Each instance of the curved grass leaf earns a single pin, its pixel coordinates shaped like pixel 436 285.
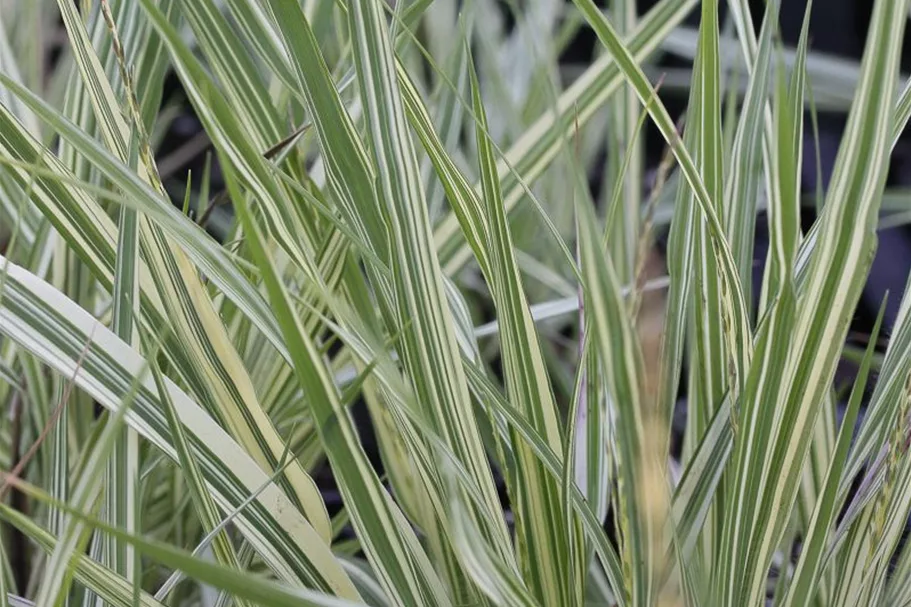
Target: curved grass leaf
pixel 245 585
pixel 105 583
pixel 55 329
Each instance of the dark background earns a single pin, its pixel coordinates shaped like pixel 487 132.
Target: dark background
pixel 837 27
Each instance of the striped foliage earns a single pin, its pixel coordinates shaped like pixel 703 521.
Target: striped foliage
pixel 392 273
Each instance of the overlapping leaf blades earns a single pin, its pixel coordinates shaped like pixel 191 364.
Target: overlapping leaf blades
pixel 358 241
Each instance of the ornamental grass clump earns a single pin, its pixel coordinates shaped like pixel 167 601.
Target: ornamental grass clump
pixel 370 336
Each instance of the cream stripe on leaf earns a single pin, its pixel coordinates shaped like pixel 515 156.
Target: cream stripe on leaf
pixel 55 329
pixel 544 542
